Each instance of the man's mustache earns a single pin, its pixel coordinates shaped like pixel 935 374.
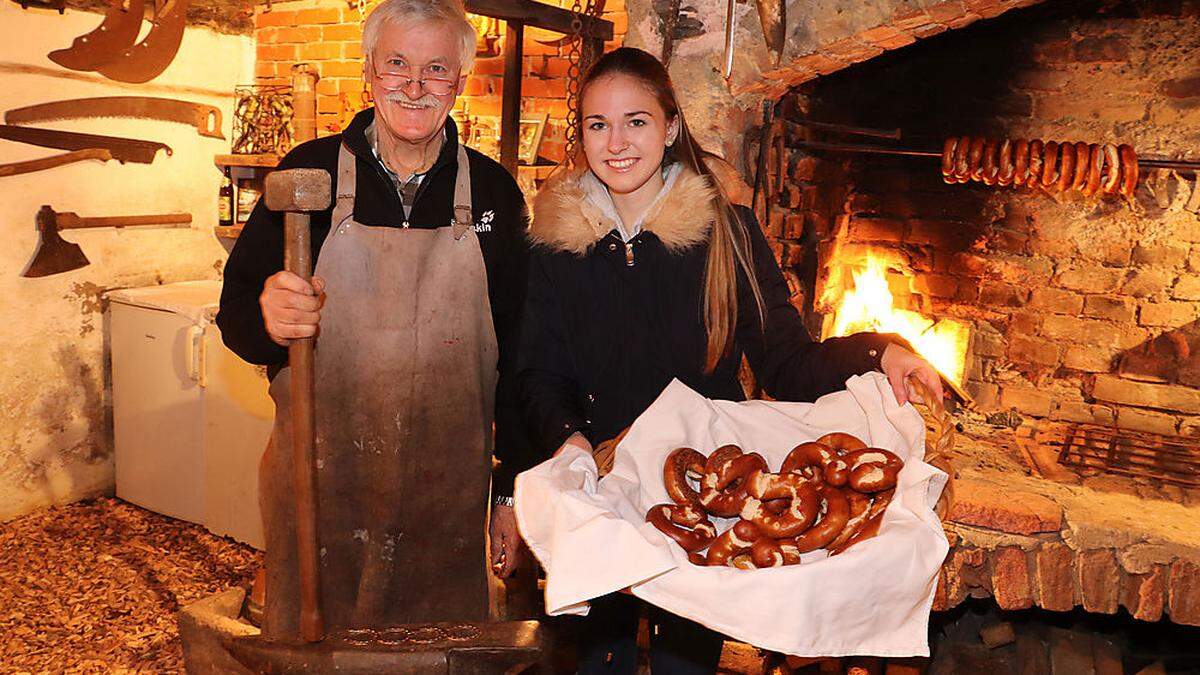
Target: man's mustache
pixel 426 101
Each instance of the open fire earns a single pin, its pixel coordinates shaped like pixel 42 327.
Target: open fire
pixel 868 305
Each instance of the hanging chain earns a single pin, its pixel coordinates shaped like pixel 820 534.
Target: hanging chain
pixel 574 73
pixel 577 58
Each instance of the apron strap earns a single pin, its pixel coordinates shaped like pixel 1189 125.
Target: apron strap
pixel 344 206
pixel 462 195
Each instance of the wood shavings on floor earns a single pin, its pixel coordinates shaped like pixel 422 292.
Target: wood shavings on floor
pixel 93 587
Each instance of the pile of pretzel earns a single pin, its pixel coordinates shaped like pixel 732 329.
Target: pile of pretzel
pixel 830 493
pixel 1056 167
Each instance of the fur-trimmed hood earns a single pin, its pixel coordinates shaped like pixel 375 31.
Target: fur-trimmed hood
pixel 565 217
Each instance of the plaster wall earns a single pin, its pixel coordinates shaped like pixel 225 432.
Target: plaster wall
pixel 55 415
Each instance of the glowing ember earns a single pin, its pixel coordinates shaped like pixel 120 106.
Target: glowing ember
pixel 869 307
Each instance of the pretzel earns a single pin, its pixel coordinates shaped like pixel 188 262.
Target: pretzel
pixel 1066 164
pixel 802 508
pixel 873 469
pixel 1112 169
pixel 689 527
pixel 835 514
pixel 767 552
pixel 807 459
pixel 1095 165
pixel 867 528
pixel 1129 170
pixel 841 443
pixel 860 511
pixel 948 159
pixel 991 162
pixel 1049 163
pixel 975 161
pixel 962 157
pixel 682 464
pixel 1007 169
pixel 732 542
pixel 1020 162
pixel 1083 155
pixel 723 488
pixel 1035 163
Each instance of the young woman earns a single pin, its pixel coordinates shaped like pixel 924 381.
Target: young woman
pixel 642 272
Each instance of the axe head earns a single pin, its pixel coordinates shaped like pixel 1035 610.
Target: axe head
pixel 54 254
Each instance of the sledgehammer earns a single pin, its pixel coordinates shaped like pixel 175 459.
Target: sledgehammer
pixel 298 192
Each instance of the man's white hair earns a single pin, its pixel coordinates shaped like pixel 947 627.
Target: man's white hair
pixel 402 12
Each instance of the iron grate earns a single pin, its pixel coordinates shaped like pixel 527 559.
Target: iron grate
pixel 1174 459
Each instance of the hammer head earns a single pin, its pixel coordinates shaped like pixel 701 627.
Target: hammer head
pixel 298 190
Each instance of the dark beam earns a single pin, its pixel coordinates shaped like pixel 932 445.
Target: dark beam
pixel 510 98
pixel 539 15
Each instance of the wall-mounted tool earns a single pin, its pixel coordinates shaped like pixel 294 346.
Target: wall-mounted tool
pixel 730 25
pixel 43 163
pixel 122 149
pixel 144 61
pixel 206 118
pixel 118 30
pixel 55 254
pixel 112 48
pixel 60 5
pixel 773 16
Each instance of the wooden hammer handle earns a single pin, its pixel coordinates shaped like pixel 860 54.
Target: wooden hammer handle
pixel 297 259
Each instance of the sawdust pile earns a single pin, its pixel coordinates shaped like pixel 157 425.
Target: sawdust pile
pixel 93 587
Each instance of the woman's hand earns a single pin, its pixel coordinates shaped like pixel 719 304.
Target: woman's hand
pixel 898 363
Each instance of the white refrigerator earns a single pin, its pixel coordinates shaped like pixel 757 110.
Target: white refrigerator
pixel 190 418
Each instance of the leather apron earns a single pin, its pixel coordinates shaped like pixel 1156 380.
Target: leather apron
pixel 405 387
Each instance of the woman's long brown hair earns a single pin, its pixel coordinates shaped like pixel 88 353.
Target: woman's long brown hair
pixel 729 242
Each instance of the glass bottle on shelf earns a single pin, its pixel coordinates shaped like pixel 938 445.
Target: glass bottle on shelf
pixel 225 201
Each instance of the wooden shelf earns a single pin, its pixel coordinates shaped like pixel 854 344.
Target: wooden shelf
pixel 227 231
pixel 258 161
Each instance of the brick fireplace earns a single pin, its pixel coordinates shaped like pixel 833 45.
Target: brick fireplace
pixel 1081 311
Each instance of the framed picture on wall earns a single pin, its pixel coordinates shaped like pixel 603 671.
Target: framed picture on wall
pixel 484 135
pixel 531 129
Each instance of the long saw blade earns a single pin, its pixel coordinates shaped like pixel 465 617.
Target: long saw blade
pixel 206 118
pixel 122 149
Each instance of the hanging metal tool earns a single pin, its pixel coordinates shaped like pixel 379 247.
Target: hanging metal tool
pixel 206 118
pixel 668 20
pixel 55 255
pixel 43 163
pixel 772 14
pixel 730 25
pixel 122 149
pixel 118 31
pixel 60 5
pixel 145 60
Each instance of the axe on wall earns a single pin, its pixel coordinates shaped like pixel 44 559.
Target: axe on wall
pixel 55 254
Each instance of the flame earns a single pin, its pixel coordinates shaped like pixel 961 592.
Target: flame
pixel 869 306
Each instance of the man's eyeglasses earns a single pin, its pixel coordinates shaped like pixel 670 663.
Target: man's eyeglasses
pixel 395 81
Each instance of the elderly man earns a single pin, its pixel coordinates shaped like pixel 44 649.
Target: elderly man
pixel 419 280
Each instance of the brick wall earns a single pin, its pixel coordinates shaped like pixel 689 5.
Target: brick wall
pixel 327 34
pixel 1083 310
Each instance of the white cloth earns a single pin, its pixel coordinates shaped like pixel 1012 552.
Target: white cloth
pixel 873 599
